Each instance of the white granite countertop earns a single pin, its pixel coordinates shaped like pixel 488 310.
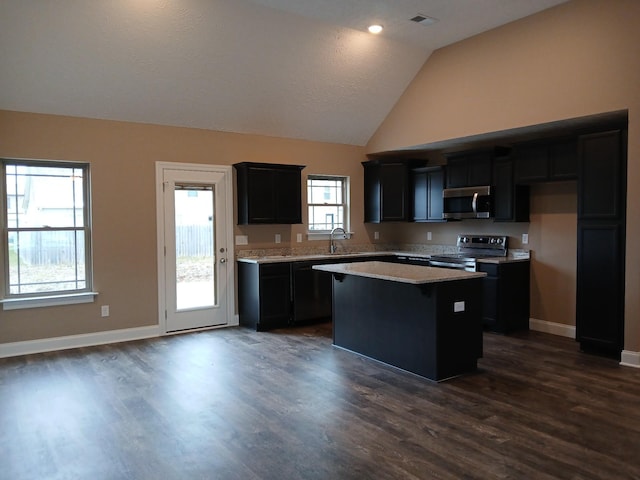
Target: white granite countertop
pixel 396 272
pixel 313 256
pixel 517 256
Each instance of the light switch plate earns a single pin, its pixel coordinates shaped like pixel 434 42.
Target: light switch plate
pixel 242 239
pixel 376 235
pixel 525 238
pixel 299 237
pixel 278 238
pixel 458 306
pixel 428 235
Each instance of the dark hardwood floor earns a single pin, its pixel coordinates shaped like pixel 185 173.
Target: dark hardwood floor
pixel 237 404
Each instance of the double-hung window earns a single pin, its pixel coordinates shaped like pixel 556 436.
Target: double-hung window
pixel 328 202
pixel 46 231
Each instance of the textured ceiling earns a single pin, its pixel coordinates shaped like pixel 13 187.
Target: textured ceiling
pixel 289 68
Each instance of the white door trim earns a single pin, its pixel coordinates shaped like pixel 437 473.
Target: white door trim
pixel 232 320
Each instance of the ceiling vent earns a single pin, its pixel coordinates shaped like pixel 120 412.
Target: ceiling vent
pixel 424 20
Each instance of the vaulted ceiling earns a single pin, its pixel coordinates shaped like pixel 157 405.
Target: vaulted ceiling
pixel 302 69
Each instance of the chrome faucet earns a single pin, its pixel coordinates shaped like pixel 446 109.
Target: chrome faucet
pixel 332 245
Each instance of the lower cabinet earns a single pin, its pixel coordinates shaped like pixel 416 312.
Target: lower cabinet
pixel 600 288
pixel 282 294
pixel 505 296
pixel 264 295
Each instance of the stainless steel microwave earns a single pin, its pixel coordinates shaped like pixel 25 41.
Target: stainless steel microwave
pixel 468 202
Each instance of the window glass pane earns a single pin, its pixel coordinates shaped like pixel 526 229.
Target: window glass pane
pixel 46 261
pixel 40 196
pixel 195 248
pixel 327 202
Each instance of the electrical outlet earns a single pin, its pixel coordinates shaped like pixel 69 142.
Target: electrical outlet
pixel 428 235
pixel 525 238
pixel 242 240
pixel 458 306
pixel 278 238
pixel 104 310
pixel 299 237
pixel 376 235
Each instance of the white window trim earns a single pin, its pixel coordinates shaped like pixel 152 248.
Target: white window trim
pixel 48 301
pixel 55 298
pixel 324 234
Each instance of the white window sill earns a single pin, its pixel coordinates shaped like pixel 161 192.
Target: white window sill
pixel 49 301
pixel 326 235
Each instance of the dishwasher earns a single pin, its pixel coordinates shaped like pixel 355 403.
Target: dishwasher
pixel 312 293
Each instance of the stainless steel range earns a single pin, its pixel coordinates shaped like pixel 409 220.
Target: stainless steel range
pixel 469 249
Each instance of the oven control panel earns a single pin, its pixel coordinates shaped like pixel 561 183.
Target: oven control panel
pixel 489 244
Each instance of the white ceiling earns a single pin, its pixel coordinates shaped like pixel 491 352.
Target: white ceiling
pixel 289 68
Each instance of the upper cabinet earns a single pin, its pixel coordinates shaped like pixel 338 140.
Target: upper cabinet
pixel 601 189
pixel 386 191
pixel 510 201
pixel 427 184
pixel 469 169
pixel 546 161
pixel 268 193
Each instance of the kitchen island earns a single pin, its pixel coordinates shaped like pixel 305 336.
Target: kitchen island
pixel 425 320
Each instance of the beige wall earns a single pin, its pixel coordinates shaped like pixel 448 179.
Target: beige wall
pixel 122 157
pixel 578 59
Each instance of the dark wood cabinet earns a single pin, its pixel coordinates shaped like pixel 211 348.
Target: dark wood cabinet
pixel 510 201
pixel 264 295
pixel 600 287
pixel 505 296
pixel 268 193
pixel 386 191
pixel 281 294
pixel 601 187
pixel 601 242
pixel 546 161
pixel 427 184
pixel 469 169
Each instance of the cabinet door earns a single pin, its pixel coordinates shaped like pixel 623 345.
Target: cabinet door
pixel 601 184
pixel 261 195
pixel 457 173
pixel 426 188
pixel 435 185
pixel 420 192
pixel 600 286
pixel 532 163
pixel 394 192
pixel 503 191
pixel 479 165
pixel 510 202
pixel 563 160
pixel 288 201
pixel 275 295
pixel 372 206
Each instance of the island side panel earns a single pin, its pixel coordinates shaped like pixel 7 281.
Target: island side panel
pixel 459 334
pixel 400 324
pixel 389 321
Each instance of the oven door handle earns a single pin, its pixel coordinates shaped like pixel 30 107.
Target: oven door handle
pixel 439 263
pixel 474 203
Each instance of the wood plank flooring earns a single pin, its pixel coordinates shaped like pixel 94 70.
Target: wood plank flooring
pixel 238 404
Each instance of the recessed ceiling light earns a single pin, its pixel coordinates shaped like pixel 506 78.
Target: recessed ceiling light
pixel 375 29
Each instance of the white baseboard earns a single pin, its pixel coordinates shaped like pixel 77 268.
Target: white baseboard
pixel 75 341
pixel 552 328
pixel 630 359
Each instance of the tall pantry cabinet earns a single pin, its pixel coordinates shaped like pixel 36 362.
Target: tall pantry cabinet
pixel 601 242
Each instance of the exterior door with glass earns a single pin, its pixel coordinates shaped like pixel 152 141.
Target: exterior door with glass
pixel 195 249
